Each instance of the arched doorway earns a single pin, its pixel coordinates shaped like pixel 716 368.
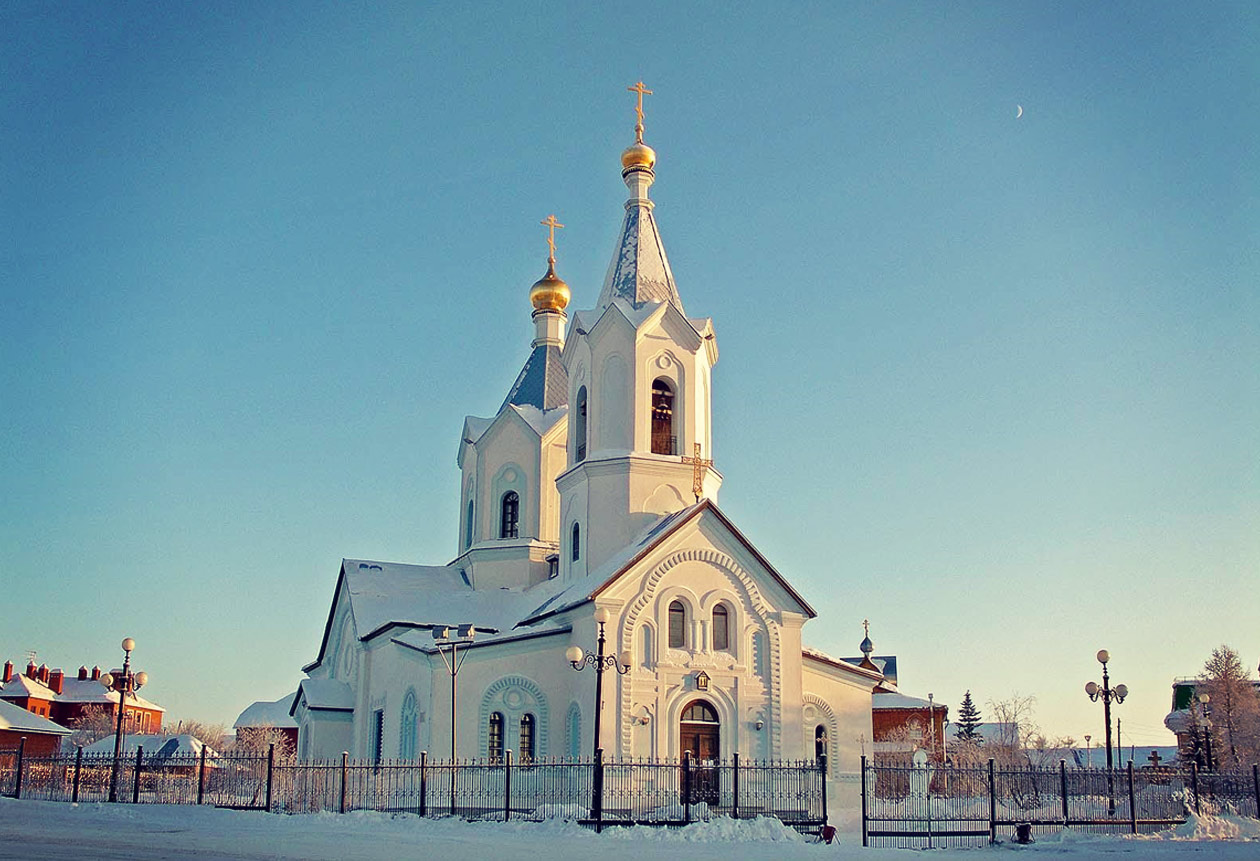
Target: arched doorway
pixel 701 735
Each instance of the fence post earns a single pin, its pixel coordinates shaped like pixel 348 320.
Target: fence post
pixel 345 764
pixel 822 774
pixel 507 785
pixel 17 787
pixel 735 778
pixel 201 776
pixel 992 805
pixel 598 793
pixel 1255 783
pixel 1063 789
pixel 1133 803
pixel 271 764
pixel 424 784
pixel 135 784
pixel 864 826
pixel 1194 784
pixel 78 765
pixel 686 786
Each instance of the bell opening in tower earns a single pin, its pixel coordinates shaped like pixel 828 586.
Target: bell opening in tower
pixel 664 440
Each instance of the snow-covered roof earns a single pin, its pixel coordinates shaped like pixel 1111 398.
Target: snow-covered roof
pixel 639 272
pixel 268 713
pixel 543 383
pixel 590 586
pixel 86 691
pixel 156 746
pixel 325 694
pixel 20 720
pixel 901 701
pixel 848 666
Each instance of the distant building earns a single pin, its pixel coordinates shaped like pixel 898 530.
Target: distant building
pixel 900 723
pixel 265 716
pixel 50 694
pixel 1187 720
pixel 43 737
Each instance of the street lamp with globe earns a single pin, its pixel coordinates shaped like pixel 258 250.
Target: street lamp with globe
pixel 1107 693
pixel 122 684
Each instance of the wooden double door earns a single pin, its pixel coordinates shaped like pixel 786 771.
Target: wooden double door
pixel 701 735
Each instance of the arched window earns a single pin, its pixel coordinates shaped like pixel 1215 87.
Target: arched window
pixel 495 746
pixel 526 749
pixel 820 742
pixel 579 434
pixel 510 512
pixel 664 440
pixel 468 528
pixel 407 727
pixel 721 628
pixel 699 712
pixel 577 543
pixel 677 625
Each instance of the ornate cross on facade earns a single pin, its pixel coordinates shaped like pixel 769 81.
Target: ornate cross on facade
pixel 699 465
pixel 638 110
pixel 551 223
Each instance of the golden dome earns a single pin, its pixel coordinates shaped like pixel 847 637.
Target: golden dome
pixel 549 293
pixel 638 155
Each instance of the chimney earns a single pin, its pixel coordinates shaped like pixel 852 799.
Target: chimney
pixel 43 673
pixel 96 674
pixel 56 679
pixel 82 674
pixel 8 672
pixel 30 669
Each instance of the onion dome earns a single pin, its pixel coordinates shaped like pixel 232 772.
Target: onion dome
pixel 549 293
pixel 638 154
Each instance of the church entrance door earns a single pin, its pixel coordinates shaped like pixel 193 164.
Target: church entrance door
pixel 701 735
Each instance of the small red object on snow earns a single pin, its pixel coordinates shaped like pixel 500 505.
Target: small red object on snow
pixel 828 834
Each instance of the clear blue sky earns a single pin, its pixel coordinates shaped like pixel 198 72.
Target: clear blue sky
pixel 992 383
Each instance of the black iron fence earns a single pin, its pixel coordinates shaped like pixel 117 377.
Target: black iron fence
pixel 948 805
pixel 594 792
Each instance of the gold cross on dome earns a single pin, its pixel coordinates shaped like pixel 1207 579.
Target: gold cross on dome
pixel 699 466
pixel 638 109
pixel 551 223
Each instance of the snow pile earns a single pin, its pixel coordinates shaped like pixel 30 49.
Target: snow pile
pixel 1223 827
pixel 719 829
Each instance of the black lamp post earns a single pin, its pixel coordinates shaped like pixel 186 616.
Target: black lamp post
pixel 582 659
pixel 1204 699
pixel 1107 693
pixel 124 683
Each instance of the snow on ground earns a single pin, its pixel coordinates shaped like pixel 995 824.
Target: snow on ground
pixel 123 832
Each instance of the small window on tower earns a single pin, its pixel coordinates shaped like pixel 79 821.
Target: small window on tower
pixel 579 433
pixel 664 440
pixel 510 515
pixel 577 543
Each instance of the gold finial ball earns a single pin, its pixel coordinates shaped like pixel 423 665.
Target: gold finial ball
pixel 549 293
pixel 638 155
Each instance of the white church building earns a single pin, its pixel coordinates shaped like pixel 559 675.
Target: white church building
pixel 589 494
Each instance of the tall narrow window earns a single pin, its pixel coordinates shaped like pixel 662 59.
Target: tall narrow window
pixel 495 751
pixel 407 727
pixel 664 441
pixel 577 543
pixel 677 625
pixel 510 515
pixel 721 629
pixel 468 528
pixel 527 739
pixel 378 735
pixel 579 434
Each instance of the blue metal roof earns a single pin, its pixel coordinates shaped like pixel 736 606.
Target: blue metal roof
pixel 542 383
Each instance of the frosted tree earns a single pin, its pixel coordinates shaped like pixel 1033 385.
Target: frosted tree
pixel 1234 708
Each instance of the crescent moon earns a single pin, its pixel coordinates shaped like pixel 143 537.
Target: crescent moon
pixel 1019 111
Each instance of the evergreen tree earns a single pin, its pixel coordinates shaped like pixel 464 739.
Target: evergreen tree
pixel 968 721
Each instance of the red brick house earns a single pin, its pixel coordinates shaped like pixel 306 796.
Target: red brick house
pixel 43 737
pixel 50 694
pixel 900 723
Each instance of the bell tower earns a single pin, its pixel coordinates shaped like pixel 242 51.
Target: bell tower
pixel 640 374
